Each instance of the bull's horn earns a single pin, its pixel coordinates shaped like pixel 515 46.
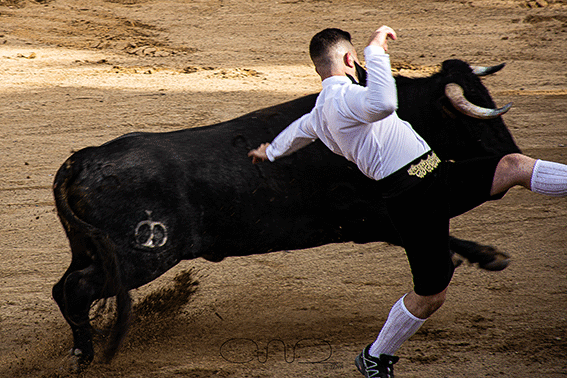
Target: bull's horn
pixel 454 93
pixel 485 71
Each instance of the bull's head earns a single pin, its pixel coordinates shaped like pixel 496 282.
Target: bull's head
pixel 455 94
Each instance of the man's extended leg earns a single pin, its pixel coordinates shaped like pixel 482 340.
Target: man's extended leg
pixel 540 176
pixel 420 215
pixel 404 320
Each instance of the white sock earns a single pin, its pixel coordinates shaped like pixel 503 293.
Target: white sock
pixel 399 327
pixel 549 178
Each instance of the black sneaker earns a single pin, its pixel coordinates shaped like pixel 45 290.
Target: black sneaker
pixel 375 367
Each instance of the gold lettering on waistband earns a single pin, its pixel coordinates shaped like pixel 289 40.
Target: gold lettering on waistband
pixel 425 166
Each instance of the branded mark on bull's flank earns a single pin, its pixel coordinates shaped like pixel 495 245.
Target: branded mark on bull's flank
pixel 150 234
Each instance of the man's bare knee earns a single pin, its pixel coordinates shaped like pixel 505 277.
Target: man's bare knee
pixel 512 169
pixel 514 161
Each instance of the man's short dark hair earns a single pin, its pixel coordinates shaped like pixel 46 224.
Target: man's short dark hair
pixel 323 41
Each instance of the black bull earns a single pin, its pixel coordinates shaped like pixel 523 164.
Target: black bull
pixel 136 206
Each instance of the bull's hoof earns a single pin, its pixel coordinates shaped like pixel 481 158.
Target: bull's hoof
pixel 78 361
pixel 499 261
pixel 489 258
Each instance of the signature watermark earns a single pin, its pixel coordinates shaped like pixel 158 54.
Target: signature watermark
pixel 304 351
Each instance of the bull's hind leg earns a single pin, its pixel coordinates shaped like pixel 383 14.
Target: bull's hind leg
pixel 74 294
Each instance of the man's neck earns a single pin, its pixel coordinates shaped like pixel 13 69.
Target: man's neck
pixel 337 72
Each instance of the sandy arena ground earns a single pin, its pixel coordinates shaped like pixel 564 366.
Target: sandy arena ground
pixel 79 73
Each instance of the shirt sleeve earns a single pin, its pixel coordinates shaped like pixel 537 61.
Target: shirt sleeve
pixel 380 97
pixel 297 135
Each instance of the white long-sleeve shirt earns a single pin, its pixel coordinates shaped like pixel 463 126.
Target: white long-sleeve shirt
pixel 359 123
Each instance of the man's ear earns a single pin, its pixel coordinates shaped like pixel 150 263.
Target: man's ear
pixel 349 60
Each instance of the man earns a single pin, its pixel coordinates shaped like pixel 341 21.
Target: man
pixel 421 192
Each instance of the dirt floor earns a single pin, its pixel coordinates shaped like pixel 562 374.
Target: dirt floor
pixel 79 73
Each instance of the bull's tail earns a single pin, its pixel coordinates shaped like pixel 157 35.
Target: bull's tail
pixel 105 250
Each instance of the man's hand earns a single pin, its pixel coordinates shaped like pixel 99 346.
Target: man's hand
pixel 380 37
pixel 259 154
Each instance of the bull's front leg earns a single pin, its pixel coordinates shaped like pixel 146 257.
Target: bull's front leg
pixel 487 257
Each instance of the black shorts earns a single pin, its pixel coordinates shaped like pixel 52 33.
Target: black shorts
pixel 420 209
